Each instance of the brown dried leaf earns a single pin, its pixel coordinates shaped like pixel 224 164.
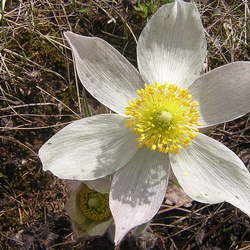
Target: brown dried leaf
pixel 176 196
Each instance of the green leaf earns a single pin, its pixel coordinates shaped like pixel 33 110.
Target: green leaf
pixel 146 9
pixel 83 10
pixel 2 175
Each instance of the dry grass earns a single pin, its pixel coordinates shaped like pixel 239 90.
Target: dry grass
pixel 40 93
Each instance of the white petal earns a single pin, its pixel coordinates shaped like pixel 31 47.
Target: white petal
pixel 71 205
pixel 100 228
pixel 223 93
pixel 89 148
pixel 104 72
pixel 172 46
pixel 137 190
pixel 101 185
pixel 210 172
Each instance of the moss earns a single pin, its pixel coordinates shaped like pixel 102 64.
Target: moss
pixel 42 52
pixel 68 96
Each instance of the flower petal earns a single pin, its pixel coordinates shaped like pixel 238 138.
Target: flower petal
pixel 101 185
pixel 223 93
pixel 89 148
pixel 82 225
pixel 71 206
pixel 172 46
pixel 137 190
pixel 104 72
pixel 99 228
pixel 210 172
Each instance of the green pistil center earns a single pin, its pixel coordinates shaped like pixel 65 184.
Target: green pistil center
pixel 94 205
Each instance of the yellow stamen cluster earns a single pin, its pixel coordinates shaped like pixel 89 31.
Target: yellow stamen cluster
pixel 94 205
pixel 164 117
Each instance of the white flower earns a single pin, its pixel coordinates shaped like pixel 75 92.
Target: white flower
pixel 164 120
pixel 88 207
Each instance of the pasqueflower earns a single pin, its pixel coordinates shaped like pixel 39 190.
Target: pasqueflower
pixel 88 206
pixel 160 110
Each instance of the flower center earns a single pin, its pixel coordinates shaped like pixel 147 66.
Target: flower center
pixel 164 117
pixel 94 205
